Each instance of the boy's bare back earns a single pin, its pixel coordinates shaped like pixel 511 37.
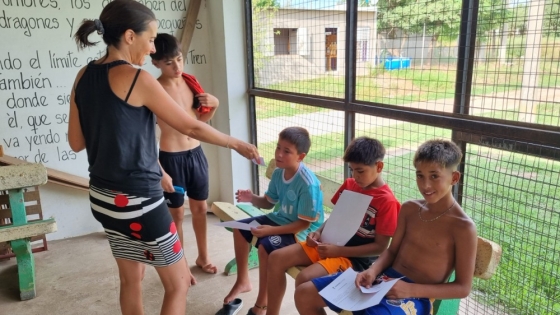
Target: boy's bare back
pixel 431 249
pixel 171 140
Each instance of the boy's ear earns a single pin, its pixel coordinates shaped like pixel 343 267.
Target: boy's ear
pixel 455 176
pixel 301 156
pixel 379 165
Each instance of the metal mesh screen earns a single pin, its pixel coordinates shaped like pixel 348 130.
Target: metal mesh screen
pixel 513 198
pixel 407 57
pixel 517 62
pixel 412 61
pixel 299 47
pixel 326 128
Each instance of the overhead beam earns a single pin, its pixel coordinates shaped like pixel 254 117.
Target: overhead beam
pixel 190 23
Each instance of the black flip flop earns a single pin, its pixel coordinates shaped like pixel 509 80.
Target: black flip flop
pixel 231 308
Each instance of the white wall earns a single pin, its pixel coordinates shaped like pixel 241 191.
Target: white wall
pixel 219 38
pixel 70 208
pixel 230 83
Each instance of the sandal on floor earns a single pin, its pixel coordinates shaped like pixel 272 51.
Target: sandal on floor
pixel 250 312
pixel 231 308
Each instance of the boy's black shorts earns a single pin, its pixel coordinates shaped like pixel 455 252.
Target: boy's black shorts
pixel 188 169
pixel 272 242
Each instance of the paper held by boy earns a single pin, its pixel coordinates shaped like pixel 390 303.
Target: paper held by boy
pixel 259 161
pixel 239 225
pixel 347 215
pixel 345 218
pixel 343 292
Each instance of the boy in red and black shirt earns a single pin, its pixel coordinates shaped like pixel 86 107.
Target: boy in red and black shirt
pixel 365 158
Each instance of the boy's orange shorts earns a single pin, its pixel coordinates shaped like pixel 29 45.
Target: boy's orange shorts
pixel 332 265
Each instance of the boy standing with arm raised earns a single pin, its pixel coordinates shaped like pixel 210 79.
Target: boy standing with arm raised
pixel 365 158
pixel 295 193
pixel 181 157
pixel 434 237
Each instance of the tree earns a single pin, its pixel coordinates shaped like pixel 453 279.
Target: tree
pixel 437 17
pixel 551 17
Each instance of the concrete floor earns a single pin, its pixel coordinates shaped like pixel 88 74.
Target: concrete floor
pixel 79 276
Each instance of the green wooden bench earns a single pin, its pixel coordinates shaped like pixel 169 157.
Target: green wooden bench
pixel 15 179
pixel 487 257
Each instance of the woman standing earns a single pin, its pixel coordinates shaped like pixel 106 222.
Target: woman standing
pixel 112 117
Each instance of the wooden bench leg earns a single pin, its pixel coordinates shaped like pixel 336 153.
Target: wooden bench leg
pixel 26 268
pixel 231 267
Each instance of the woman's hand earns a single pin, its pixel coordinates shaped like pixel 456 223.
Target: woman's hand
pixel 245 149
pixel 167 183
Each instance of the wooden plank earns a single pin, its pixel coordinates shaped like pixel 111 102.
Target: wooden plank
pixel 66 179
pixel 188 30
pixel 488 255
pixel 228 212
pixel 16 232
pixel 1 151
pixel 21 176
pixel 54 176
pixel 329 188
pixel 251 210
pixel 27 196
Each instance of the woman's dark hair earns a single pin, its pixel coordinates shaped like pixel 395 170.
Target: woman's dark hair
pixel 167 47
pixel 117 17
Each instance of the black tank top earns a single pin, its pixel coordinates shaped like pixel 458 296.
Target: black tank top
pixel 120 138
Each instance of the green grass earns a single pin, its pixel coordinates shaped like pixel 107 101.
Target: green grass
pixel 513 200
pixel 401 87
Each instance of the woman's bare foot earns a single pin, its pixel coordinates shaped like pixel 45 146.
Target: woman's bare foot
pixel 238 287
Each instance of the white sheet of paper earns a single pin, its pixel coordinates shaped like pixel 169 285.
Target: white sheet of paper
pixel 346 217
pixel 343 293
pixel 260 161
pixel 239 225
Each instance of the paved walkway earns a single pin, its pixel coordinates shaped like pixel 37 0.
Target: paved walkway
pixel 331 121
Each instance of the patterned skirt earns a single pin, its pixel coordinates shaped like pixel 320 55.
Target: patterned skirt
pixel 139 229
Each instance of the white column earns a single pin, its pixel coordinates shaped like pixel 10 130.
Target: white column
pixel 229 73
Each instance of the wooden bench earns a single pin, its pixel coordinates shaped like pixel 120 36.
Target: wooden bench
pixel 487 256
pixel 15 179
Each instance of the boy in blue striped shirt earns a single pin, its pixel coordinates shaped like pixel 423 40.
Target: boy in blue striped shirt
pixel 295 193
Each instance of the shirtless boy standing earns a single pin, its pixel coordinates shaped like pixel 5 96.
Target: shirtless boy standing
pixel 181 157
